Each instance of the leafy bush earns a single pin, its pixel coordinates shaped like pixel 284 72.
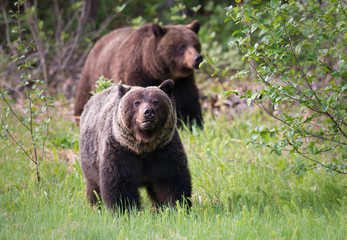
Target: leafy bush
pixel 297 55
pixel 102 83
pixel 34 120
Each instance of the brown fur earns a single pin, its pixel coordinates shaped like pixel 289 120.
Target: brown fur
pixel 129 139
pixel 146 57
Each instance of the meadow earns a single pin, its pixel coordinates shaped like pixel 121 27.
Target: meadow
pixel 240 191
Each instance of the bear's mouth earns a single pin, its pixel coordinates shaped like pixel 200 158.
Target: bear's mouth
pixel 148 124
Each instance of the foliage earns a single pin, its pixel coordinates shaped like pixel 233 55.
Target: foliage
pixel 215 35
pixel 297 54
pixel 34 119
pixel 102 83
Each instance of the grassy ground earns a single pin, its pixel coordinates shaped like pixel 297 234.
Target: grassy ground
pixel 239 192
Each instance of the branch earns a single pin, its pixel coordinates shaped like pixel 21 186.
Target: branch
pixel 15 141
pixel 80 24
pixel 304 74
pixel 267 58
pixel 7 31
pixel 36 35
pixel 279 119
pixel 337 125
pixel 14 113
pixel 296 59
pixel 269 113
pixel 58 30
pixel 313 160
pixel 96 35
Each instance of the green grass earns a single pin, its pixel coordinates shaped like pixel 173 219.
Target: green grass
pixel 239 192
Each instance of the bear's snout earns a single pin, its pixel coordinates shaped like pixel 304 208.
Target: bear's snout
pixel 148 119
pixel 198 59
pixel 148 113
pixel 192 58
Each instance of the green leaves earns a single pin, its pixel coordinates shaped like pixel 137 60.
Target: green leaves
pixel 324 108
pixel 120 8
pixel 251 97
pixel 102 83
pixel 297 53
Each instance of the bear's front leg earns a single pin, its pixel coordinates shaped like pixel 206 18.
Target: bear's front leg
pixel 167 193
pixel 119 180
pixel 169 175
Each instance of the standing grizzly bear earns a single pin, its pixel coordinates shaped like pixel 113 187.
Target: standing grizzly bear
pixel 146 57
pixel 129 139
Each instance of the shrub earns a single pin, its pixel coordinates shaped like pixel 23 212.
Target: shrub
pixel 34 118
pixel 297 56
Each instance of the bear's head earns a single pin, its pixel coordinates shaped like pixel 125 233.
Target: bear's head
pixel 146 117
pixel 179 47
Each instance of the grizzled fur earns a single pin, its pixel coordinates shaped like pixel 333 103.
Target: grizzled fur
pixel 128 140
pixel 146 57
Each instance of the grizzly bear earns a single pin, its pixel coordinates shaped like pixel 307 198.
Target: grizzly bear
pixel 129 140
pixel 146 57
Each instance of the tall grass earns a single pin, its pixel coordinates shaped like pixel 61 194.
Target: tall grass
pixel 239 192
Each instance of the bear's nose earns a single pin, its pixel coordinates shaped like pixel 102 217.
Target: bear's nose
pixel 148 112
pixel 198 59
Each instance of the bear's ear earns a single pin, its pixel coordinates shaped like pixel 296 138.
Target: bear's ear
pixel 167 86
pixel 194 26
pixel 158 31
pixel 122 90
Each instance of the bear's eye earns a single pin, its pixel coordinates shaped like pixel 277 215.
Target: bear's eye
pixel 155 103
pixel 182 48
pixel 137 103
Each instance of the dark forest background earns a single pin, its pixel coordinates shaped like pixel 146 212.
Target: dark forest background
pixel 64 31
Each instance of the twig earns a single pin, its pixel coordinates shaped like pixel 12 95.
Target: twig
pixel 313 160
pixel 267 59
pixel 96 35
pixel 14 113
pixel 15 141
pixel 36 35
pixel 7 31
pixel 32 139
pixel 80 23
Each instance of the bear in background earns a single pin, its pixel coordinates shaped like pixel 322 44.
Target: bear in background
pixel 146 57
pixel 128 140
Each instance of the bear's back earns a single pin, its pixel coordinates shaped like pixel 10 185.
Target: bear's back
pixel 99 107
pixel 95 120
